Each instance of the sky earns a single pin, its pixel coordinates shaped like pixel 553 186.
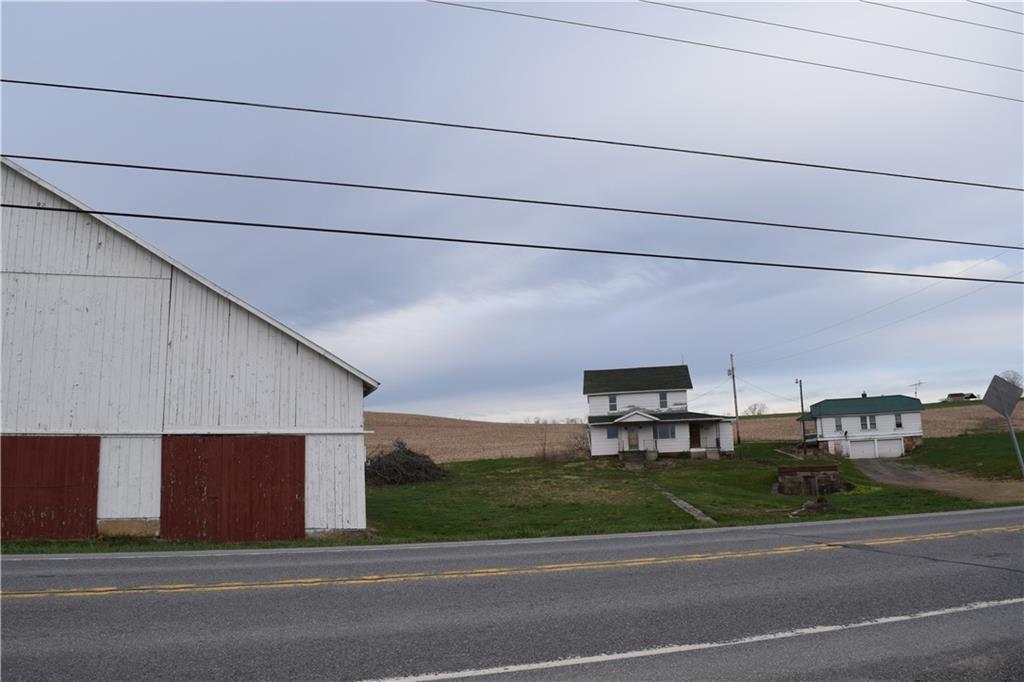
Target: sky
pixel 488 333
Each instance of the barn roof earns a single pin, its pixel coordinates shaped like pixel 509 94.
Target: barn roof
pixel 665 378
pixel 875 404
pixel 369 383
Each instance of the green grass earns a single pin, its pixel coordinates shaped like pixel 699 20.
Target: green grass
pixel 520 498
pixel 986 455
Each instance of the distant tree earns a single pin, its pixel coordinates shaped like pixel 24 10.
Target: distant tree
pixel 755 409
pixel 1014 377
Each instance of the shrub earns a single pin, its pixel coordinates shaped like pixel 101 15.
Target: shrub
pixel 399 465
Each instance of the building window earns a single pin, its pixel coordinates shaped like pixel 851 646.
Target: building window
pixel 839 423
pixel 863 423
pixel 899 421
pixel 663 400
pixel 871 422
pixel 867 423
pixel 613 403
pixel 613 431
pixel 665 431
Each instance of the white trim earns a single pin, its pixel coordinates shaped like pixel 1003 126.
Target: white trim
pixel 633 412
pixel 368 381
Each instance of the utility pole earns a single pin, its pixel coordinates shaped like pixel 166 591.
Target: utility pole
pixel 916 385
pixel 735 403
pixel 803 424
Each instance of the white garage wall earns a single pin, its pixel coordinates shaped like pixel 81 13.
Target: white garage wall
pixel 129 480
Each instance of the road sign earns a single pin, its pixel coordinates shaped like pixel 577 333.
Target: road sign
pixel 1002 396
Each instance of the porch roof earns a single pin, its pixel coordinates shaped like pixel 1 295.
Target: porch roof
pixel 657 417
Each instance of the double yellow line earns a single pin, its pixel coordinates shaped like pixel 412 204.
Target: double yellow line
pixel 495 572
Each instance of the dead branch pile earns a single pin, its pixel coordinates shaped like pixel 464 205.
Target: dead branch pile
pixel 398 465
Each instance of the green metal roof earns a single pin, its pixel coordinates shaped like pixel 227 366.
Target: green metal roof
pixel 875 404
pixel 668 378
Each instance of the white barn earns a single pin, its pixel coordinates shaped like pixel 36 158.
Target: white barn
pixel 206 418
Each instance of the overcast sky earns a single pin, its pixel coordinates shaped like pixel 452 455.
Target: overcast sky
pixel 481 332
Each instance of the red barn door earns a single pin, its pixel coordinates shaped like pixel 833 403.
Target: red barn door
pixel 233 488
pixel 48 486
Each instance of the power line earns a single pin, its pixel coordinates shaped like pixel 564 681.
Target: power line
pixel 992 6
pixel 833 35
pixel 506 244
pixel 709 392
pixel 514 200
pixel 765 390
pixel 866 312
pixel 883 326
pixel 941 16
pixel 507 131
pixel 714 46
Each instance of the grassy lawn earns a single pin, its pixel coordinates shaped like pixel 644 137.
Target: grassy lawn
pixel 519 498
pixel 986 455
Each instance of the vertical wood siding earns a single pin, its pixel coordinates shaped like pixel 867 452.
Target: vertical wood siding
pixel 129 482
pixel 232 488
pixel 48 486
pixel 229 369
pixel 335 488
pixel 82 354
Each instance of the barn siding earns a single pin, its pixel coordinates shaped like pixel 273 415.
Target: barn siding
pixel 48 486
pixel 129 483
pixel 230 370
pixel 232 488
pixel 335 489
pixel 82 354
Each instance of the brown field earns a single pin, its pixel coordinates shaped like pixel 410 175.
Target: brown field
pixel 454 440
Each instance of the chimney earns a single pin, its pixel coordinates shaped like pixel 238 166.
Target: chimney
pixel 863 394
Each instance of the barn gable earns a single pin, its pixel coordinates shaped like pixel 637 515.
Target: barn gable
pixel 104 334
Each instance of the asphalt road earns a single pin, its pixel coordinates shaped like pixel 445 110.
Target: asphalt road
pixel 924 597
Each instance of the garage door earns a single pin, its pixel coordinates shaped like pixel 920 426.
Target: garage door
pixel 233 488
pixel 862 449
pixel 892 447
pixel 49 486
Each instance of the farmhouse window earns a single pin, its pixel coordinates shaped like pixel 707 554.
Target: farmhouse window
pixel 613 403
pixel 663 400
pixel 665 431
pixel 613 431
pixel 863 423
pixel 839 423
pixel 899 421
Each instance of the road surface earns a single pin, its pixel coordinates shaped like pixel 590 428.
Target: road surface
pixel 937 596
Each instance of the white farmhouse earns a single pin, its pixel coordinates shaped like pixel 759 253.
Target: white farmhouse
pixel 140 398
pixel 868 426
pixel 644 409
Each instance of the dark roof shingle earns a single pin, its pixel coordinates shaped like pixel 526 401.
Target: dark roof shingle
pixel 668 378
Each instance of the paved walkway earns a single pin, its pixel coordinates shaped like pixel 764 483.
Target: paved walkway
pixel 929 478
pixel 682 504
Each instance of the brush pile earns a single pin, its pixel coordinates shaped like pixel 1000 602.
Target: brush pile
pixel 398 465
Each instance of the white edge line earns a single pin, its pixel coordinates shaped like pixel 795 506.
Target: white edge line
pixel 683 648
pixel 764 528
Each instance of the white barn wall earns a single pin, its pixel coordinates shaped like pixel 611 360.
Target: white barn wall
pixel 335 488
pixel 129 481
pixel 101 336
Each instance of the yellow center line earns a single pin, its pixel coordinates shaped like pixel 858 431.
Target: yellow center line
pixel 492 572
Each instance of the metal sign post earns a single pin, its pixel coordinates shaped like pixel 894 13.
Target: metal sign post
pixel 1002 396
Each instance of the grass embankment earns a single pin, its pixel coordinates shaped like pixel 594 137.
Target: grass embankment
pixel 518 498
pixel 985 455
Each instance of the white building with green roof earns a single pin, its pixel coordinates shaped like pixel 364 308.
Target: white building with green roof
pixel 868 426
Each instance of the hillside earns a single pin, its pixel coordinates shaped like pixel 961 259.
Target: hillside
pixel 453 440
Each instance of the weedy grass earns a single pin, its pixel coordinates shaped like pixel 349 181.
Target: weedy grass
pixel 985 455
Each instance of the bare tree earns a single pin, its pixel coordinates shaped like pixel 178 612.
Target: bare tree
pixel 755 409
pixel 1013 376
